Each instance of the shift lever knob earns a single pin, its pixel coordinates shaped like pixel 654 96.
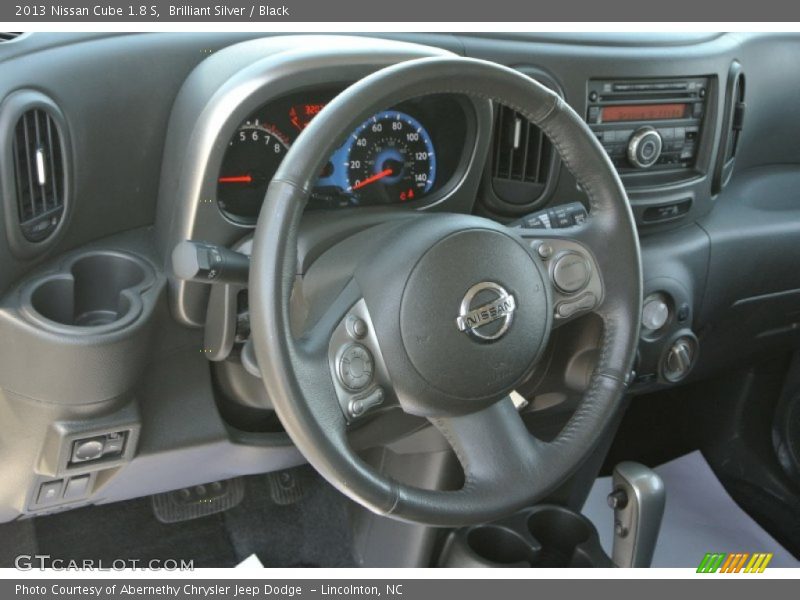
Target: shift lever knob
pixel 638 499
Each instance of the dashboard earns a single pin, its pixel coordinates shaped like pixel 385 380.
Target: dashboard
pixel 407 154
pixel 701 129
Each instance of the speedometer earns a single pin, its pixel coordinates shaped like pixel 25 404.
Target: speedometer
pixel 390 158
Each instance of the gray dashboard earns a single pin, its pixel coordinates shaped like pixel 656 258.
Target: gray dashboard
pixel 148 118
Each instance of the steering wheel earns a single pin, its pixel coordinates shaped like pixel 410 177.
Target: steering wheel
pixel 443 314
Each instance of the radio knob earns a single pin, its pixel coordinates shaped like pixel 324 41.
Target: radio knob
pixel 644 147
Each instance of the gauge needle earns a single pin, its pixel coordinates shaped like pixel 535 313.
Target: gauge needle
pixel 373 178
pixel 236 179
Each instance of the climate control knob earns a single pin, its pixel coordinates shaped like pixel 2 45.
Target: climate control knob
pixel 644 147
pixel 679 359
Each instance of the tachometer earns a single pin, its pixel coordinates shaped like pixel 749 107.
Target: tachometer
pixel 252 157
pixel 390 158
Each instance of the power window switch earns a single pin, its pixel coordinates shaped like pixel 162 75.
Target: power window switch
pixel 49 492
pixel 76 487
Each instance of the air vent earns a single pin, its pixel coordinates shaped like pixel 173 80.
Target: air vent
pixel 733 121
pixel 39 172
pixel 737 119
pixel 35 171
pixel 522 160
pixel 7 36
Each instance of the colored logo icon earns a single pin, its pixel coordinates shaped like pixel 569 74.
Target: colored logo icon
pixel 736 562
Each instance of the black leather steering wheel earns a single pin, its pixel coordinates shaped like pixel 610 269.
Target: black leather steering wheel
pixel 427 291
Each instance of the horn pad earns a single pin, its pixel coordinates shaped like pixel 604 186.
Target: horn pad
pixel 475 314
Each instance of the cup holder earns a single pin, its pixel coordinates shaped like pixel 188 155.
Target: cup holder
pixel 543 536
pixel 490 545
pixel 560 532
pixel 500 545
pixel 93 292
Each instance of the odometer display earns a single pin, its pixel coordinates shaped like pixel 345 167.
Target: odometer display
pixel 390 158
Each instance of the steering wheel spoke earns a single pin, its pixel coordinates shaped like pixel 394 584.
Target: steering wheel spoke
pixel 493 446
pixel 343 342
pixel 357 367
pixel 575 274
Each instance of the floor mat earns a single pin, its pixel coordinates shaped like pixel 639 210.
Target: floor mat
pixel 699 517
pixel 314 531
pixel 129 530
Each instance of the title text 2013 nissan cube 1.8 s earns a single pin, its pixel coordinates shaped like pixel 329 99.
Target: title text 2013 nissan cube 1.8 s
pixel 401 300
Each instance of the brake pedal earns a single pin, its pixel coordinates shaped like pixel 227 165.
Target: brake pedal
pixel 285 488
pixel 198 501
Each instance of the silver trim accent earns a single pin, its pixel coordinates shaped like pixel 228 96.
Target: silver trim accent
pixel 633 147
pixel 470 320
pixel 41 174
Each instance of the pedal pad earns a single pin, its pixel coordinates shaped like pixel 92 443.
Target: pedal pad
pixel 198 501
pixel 285 487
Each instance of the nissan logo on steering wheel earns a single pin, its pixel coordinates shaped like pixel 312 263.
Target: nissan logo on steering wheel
pixel 486 311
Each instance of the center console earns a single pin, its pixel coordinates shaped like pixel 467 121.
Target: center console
pixel 650 126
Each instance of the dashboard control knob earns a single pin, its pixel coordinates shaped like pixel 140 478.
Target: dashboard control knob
pixel 655 313
pixel 644 147
pixel 571 272
pixel 355 367
pixel 679 359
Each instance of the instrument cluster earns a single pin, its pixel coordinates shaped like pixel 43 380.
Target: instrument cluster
pixel 407 154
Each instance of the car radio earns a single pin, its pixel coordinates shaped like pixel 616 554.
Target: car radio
pixel 648 124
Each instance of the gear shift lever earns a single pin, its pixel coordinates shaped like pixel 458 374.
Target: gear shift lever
pixel 638 501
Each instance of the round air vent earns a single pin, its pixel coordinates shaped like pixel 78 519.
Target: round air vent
pixel 35 170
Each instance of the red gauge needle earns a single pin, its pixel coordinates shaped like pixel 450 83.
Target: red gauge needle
pixel 236 179
pixel 373 178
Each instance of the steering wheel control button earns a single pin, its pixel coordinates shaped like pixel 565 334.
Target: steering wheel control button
pixel 359 406
pixel 483 305
pixel 355 367
pixel 356 327
pixel 571 272
pixel 564 310
pixel 544 250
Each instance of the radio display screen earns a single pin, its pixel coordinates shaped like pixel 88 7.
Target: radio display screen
pixel 644 112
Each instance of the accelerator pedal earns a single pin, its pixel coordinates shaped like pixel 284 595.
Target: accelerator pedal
pixel 285 487
pixel 198 501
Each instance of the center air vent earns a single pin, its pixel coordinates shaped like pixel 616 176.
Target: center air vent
pixel 523 160
pixel 35 173
pixel 39 174
pixel 733 121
